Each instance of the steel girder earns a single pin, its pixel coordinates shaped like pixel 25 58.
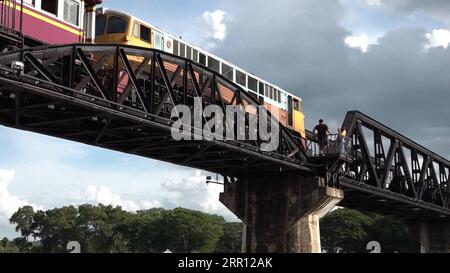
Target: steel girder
pixel 390 173
pixel 121 97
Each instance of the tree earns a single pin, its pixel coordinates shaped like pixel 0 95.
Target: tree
pixel 231 241
pixel 6 246
pixel 107 229
pixel 180 230
pixel 23 220
pixel 393 235
pixel 346 229
pixel 99 227
pixel 56 228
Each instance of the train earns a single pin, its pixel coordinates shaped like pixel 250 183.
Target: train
pixel 45 21
pixel 82 21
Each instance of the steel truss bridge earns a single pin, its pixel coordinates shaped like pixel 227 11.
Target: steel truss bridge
pixel 77 92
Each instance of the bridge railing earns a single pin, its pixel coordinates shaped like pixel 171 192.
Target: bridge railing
pixel 335 146
pixel 387 160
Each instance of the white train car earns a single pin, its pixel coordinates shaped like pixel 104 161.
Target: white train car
pixel 122 28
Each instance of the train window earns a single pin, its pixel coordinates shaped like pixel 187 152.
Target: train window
pixel 252 84
pixel 100 25
pixel 30 2
pixel 117 25
pixel 296 105
pixel 175 47
pixel 253 95
pixel 137 30
pixel 241 78
pixel 195 55
pixel 189 52
pixel 50 6
pixel 214 64
pixel 72 12
pixel 145 34
pixel 227 72
pixel 268 92
pixel 290 112
pixel 202 59
pixel 261 88
pixel 261 99
pixel 182 50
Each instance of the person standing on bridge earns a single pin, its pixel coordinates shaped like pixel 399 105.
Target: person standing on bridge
pixel 322 131
pixel 343 141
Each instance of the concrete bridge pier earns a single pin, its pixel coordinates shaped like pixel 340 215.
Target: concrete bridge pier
pixel 434 236
pixel 281 211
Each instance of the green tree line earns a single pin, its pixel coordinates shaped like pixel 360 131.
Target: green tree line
pixel 107 229
pixel 349 230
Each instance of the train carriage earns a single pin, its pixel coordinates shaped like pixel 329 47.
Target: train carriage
pixel 121 28
pixel 78 21
pixel 45 21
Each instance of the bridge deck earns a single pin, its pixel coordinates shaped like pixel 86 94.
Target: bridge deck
pixel 68 92
pixel 76 92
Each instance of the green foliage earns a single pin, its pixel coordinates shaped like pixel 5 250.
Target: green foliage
pixel 23 219
pixel 393 235
pixel 7 246
pixel 347 229
pixel 351 231
pixel 107 229
pixel 231 241
pixel 180 230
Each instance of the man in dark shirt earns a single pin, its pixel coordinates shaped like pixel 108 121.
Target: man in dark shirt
pixel 322 131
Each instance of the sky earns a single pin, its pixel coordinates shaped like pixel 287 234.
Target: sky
pixel 386 58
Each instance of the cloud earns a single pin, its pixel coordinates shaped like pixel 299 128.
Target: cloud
pixel 437 38
pixel 215 22
pixel 374 2
pixel 304 51
pixel 438 9
pixel 193 193
pixel 190 192
pixel 361 42
pixel 209 29
pixel 10 203
pixel 104 195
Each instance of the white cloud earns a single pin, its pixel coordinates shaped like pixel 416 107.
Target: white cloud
pixel 361 42
pixel 10 203
pixel 104 195
pixel 193 193
pixel 216 24
pixel 190 192
pixel 437 38
pixel 374 2
pixel 210 29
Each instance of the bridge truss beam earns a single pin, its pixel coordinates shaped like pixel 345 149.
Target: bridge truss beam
pixel 121 98
pixel 409 180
